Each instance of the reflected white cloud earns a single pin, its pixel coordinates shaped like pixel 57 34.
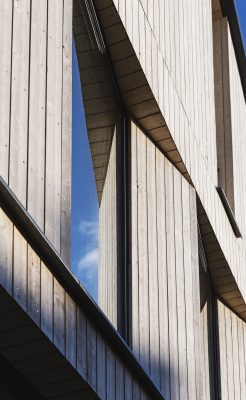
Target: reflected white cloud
pixel 87 265
pixel 89 228
pixel 89 260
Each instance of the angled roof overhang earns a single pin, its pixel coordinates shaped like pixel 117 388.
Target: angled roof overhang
pixel 113 82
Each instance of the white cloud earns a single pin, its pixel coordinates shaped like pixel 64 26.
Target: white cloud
pixel 86 267
pixel 89 228
pixel 89 259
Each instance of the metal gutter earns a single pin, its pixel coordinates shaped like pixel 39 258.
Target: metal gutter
pixel 36 238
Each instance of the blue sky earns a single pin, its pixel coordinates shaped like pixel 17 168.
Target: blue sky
pixel 84 196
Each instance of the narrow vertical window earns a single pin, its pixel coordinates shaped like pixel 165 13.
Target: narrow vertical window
pixel 99 165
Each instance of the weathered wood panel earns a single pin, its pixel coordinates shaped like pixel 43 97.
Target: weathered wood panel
pixel 185 97
pixel 37 112
pixel 19 100
pixel 232 336
pixel 6 17
pixel 108 270
pixel 63 322
pixel 165 322
pixel 35 123
pixel 204 354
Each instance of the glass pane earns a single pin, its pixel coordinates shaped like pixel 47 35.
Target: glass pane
pixel 84 196
pixel 94 194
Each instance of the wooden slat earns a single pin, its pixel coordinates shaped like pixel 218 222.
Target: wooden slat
pixel 19 99
pixel 33 284
pixel 111 374
pixel 66 144
pixel 108 270
pixel 19 268
pixel 142 250
pixel 91 355
pixel 37 111
pixel 59 316
pixel 180 282
pixel 46 300
pixel 101 372
pixel 5 84
pixel 6 254
pixel 53 123
pixel 71 330
pixel 81 343
pixel 223 352
pixel 171 276
pixel 120 381
pixel 162 274
pixel 134 242
pixel 152 261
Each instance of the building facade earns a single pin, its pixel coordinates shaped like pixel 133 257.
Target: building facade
pixel 163 86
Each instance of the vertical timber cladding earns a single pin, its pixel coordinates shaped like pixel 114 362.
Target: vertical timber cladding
pixel 232 343
pixel 165 272
pixel 204 354
pixel 35 107
pixel 108 241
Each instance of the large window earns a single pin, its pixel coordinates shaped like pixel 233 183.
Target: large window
pixel 85 204
pixel 98 184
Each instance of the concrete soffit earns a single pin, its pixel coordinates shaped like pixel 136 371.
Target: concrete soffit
pixel 141 106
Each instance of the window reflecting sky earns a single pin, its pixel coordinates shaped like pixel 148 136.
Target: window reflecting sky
pixel 84 233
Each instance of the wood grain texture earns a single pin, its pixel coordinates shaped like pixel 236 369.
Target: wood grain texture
pixel 60 321
pixel 66 145
pixel 20 253
pixel 37 112
pixel 232 353
pixel 35 126
pixel 6 254
pixel 53 123
pixel 165 322
pixel 187 104
pixel 204 352
pixel 6 18
pixel 19 99
pixel 108 261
